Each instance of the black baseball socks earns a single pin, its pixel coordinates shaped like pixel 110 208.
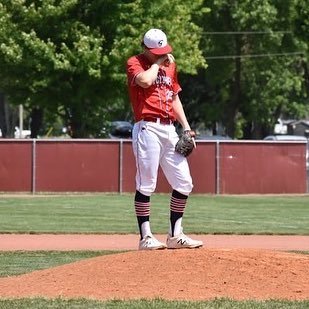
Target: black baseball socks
pixel 177 208
pixel 142 211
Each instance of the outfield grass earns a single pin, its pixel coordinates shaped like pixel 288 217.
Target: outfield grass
pixel 38 303
pixel 113 213
pixel 20 262
pixel 110 213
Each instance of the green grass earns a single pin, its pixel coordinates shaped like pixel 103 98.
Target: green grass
pixel 38 303
pixel 113 213
pixel 108 213
pixel 20 262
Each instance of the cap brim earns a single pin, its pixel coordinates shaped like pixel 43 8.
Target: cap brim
pixel 162 50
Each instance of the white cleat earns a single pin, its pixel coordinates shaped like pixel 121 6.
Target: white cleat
pixel 182 241
pixel 149 242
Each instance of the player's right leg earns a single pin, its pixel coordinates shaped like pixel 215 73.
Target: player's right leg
pixel 142 211
pixel 146 148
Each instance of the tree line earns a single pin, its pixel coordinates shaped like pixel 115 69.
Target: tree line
pixel 242 64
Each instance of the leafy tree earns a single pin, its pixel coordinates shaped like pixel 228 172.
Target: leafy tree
pixel 8 118
pixel 67 57
pixel 247 94
pixel 51 61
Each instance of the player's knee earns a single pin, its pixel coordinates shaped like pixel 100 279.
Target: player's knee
pixel 146 190
pixel 140 197
pixel 185 188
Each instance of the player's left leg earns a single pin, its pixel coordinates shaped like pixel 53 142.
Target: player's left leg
pixel 176 239
pixel 177 208
pixel 177 172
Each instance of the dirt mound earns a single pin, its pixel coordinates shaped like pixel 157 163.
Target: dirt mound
pixel 171 274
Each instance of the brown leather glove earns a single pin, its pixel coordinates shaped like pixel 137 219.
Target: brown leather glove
pixel 186 143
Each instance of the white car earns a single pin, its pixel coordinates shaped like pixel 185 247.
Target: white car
pixel 24 133
pixel 285 138
pixel 291 138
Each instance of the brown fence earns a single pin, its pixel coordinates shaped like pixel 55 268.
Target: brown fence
pixel 217 167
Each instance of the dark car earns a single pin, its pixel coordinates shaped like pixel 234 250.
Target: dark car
pixel 120 129
pixel 212 137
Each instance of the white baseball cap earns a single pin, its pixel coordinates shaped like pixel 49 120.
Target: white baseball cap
pixel 155 40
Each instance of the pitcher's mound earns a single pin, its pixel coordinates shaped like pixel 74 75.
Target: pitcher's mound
pixel 171 274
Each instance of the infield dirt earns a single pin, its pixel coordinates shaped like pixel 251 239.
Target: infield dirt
pixel 198 274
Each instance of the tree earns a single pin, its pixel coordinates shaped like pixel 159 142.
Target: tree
pixel 8 118
pixel 51 61
pixel 248 85
pixel 67 57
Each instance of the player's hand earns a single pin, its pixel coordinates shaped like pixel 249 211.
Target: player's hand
pixel 165 59
pixel 193 135
pixel 170 58
pixel 186 143
pixel 161 60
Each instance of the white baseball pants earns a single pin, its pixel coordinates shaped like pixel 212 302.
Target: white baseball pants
pixel 154 145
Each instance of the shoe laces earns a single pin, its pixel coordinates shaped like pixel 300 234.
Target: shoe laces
pixel 149 240
pixel 185 237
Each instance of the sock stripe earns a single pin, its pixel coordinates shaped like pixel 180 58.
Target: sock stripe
pixel 178 205
pixel 142 209
pixel 178 200
pixel 175 209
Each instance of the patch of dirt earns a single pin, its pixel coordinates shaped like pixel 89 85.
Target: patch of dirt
pixel 171 274
pixel 13 242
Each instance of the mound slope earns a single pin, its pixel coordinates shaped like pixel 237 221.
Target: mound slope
pixel 171 274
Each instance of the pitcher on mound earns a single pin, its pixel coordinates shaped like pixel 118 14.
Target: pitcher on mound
pixel 153 89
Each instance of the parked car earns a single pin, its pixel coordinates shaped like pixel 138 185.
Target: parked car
pixel 212 137
pixel 291 138
pixel 24 133
pixel 286 138
pixel 120 129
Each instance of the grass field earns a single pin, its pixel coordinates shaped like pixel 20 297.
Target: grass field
pixel 110 213
pixel 14 263
pixel 39 303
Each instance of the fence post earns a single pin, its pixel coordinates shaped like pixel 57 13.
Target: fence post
pixel 120 165
pixel 217 167
pixel 33 188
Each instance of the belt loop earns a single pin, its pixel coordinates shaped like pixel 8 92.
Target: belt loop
pixel 158 120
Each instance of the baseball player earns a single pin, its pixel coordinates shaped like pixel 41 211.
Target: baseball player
pixel 153 89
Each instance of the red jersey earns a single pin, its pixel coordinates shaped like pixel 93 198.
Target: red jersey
pixel 156 100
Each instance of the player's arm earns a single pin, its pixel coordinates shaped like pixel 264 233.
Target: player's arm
pixel 182 119
pixel 146 78
pixel 179 113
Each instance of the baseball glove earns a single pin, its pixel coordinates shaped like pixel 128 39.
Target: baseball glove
pixel 186 143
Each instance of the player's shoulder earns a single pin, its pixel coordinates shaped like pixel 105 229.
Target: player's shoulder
pixel 136 59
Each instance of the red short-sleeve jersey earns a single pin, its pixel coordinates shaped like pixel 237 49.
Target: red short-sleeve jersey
pixel 155 101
